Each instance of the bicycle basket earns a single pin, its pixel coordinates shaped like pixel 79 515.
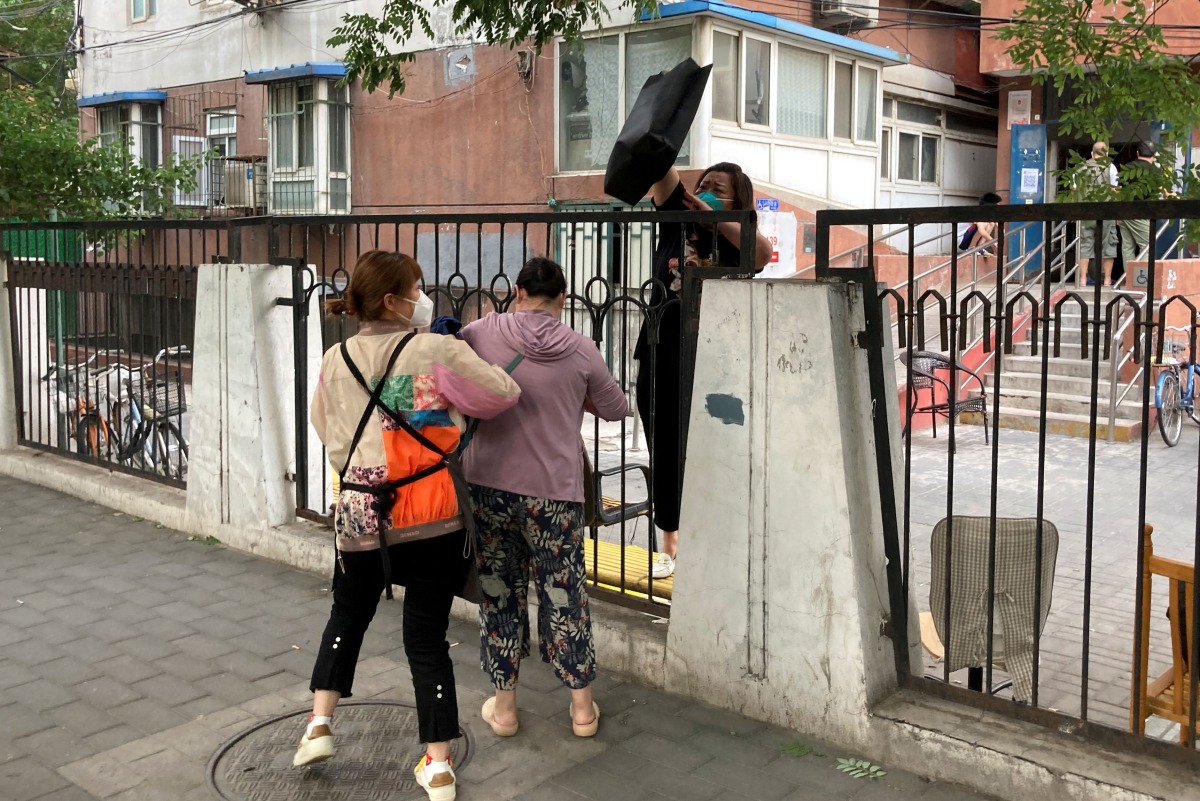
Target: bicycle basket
pixel 167 397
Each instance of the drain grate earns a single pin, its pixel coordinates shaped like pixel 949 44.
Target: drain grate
pixel 377 747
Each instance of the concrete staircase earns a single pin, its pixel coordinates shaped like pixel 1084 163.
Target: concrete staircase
pixel 1069 385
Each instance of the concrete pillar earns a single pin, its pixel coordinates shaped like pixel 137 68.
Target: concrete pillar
pixel 318 473
pixel 780 594
pixel 39 402
pixel 243 403
pixel 8 384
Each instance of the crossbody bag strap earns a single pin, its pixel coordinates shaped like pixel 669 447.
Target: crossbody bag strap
pixel 376 396
pixel 382 495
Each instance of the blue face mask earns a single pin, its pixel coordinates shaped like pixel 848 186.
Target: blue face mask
pixel 712 200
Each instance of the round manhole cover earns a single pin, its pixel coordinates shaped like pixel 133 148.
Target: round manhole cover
pixel 377 747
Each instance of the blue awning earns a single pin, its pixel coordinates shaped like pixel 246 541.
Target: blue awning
pixel 144 96
pixel 668 10
pixel 311 69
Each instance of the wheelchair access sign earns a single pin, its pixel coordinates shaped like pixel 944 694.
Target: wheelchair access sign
pixel 1140 278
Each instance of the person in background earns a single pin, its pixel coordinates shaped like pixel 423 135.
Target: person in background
pixel 1101 175
pixel 525 468
pixel 722 186
pixel 1138 175
pixel 985 232
pixel 388 406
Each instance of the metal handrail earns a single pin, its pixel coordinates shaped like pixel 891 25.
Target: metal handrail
pixel 1116 360
pixel 898 231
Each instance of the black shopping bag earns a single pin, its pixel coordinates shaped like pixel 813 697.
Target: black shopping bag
pixel 653 134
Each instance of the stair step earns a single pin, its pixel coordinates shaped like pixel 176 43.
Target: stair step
pixel 1068 350
pixel 1062 403
pixel 1071 425
pixel 1057 366
pixel 1123 431
pixel 1074 386
pixel 1069 334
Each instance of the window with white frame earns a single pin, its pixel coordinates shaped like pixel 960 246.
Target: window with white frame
pixel 866 96
pixel 915 138
pixel 136 125
pixel 917 157
pixel 817 95
pixel 309 134
pixel 757 85
pixel 724 77
pixel 599 80
pixel 885 154
pixel 142 9
pixel 220 129
pixel 803 82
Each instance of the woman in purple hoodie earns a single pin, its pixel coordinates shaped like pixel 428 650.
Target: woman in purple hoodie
pixel 526 471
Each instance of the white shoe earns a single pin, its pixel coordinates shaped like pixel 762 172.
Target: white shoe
pixel 439 786
pixel 315 746
pixel 664 567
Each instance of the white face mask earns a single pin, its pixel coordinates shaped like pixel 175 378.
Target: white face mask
pixel 422 314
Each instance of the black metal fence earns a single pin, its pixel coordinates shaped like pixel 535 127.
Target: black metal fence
pixel 1019 526
pixel 103 318
pixel 105 313
pixel 470 264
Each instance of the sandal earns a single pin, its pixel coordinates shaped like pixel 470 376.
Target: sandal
pixel 489 711
pixel 586 729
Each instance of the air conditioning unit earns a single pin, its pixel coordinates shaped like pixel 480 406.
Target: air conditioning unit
pixel 245 182
pixel 847 14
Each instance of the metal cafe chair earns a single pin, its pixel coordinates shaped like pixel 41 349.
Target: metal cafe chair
pixel 926 366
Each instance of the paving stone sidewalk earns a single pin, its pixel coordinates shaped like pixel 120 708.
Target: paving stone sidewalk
pixel 129 654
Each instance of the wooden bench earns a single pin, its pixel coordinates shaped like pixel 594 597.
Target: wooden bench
pixel 603 561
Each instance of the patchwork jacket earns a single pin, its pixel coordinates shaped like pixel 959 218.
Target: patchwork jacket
pixel 436 380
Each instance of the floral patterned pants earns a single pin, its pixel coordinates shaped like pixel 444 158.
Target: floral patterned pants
pixel 515 533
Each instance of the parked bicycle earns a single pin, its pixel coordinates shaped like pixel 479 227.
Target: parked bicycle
pixel 149 416
pixel 83 398
pixel 1175 391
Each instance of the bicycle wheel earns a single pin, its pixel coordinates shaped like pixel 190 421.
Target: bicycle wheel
pixel 170 451
pixel 1170 415
pixel 89 435
pixel 133 443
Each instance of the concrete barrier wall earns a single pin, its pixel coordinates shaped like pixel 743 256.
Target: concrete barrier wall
pixel 242 459
pixel 8 394
pixel 780 594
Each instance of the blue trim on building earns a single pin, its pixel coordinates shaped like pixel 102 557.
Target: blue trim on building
pixel 145 96
pixel 668 10
pixel 311 69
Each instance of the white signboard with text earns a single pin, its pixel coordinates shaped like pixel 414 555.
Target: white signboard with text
pixel 779 227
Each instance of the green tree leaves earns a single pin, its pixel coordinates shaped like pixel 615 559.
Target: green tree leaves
pixel 1117 65
pixel 376 51
pixel 44 166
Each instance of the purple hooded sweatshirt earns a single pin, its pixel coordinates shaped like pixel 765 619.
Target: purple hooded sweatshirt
pixel 535 448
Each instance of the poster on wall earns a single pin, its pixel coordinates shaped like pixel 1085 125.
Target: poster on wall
pixel 779 227
pixel 1018 107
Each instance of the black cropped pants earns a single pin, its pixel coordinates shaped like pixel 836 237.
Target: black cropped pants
pixel 431 571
